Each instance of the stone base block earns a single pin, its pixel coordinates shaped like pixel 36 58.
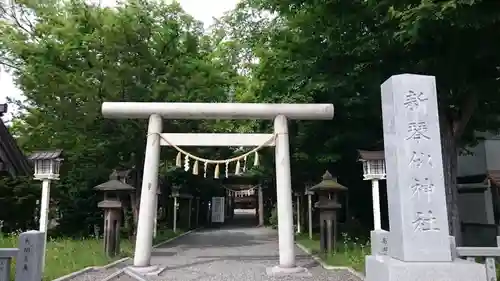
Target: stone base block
pixel 379 242
pixel 285 271
pixel 385 268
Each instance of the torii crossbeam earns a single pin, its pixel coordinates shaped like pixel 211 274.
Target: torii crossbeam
pixel 173 110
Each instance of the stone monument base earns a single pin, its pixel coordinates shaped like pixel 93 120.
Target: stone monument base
pixel 385 268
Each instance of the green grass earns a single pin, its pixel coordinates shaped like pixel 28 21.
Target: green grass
pixel 350 252
pixel 64 256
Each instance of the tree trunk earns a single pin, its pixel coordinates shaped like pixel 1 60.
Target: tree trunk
pixel 450 159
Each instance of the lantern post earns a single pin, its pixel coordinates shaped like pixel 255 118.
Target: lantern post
pixel 175 195
pixel 46 165
pixel 155 229
pixel 374 170
pixel 298 211
pixel 309 209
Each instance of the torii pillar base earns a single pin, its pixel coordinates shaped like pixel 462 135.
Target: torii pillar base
pixel 152 270
pixel 278 271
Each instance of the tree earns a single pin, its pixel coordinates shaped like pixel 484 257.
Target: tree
pixel 18 198
pixel 69 57
pixel 467 87
pixel 341 51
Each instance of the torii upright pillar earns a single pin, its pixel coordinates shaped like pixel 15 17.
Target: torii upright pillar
pixel 280 113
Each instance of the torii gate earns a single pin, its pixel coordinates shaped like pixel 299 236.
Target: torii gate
pixel 156 111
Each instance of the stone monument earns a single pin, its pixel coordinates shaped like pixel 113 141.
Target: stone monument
pixel 418 241
pixel 29 260
pixel 6 255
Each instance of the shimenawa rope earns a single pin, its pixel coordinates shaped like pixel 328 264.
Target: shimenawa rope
pixel 197 159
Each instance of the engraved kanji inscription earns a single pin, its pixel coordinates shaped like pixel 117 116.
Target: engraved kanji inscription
pixel 413 100
pixel 417 131
pixel 385 247
pixel 425 222
pixel 27 252
pixel 422 186
pixel 418 159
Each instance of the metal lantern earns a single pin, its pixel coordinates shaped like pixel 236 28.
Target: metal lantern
pixel 373 164
pixel 47 164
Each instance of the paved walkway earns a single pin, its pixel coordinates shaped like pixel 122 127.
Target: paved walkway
pixel 234 253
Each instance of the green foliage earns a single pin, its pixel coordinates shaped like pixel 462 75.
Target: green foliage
pixel 18 197
pixel 68 57
pixel 351 252
pixel 65 256
pixel 341 51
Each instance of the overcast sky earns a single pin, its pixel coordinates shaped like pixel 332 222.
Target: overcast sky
pixel 202 10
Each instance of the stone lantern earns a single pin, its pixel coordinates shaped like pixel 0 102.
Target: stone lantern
pixel 328 205
pixel 112 205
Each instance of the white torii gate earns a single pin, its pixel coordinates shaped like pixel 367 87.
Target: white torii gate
pixel 156 111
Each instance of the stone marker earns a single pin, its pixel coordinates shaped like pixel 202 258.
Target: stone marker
pixel 379 242
pixel 419 243
pixel 6 256
pixel 29 257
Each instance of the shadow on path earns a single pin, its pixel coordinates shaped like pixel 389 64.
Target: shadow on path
pixel 240 231
pixel 237 250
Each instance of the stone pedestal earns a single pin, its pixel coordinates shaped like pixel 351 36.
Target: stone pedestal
pixel 385 268
pixel 112 221
pixel 328 225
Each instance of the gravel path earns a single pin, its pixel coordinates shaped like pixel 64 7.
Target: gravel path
pixel 232 253
pixel 94 275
